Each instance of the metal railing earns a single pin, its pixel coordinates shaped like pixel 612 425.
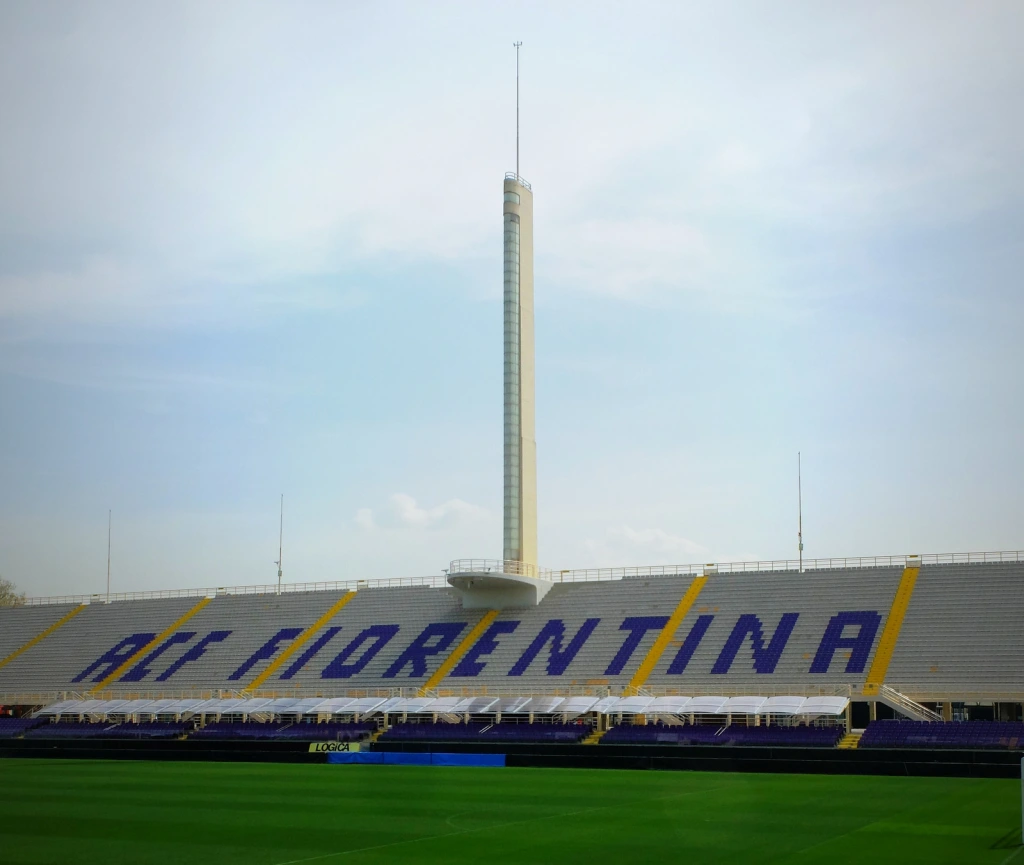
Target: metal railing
pixel 434 581
pixel 594 574
pixel 558 576
pixel 492 566
pixel 899 701
pixel 511 175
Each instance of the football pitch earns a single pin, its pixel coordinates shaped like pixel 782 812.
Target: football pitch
pixel 135 813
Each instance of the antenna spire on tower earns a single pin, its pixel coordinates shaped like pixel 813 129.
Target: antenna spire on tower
pixel 518 45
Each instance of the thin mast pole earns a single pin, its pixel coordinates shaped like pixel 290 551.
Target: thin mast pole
pixel 109 523
pixel 518 45
pixel 280 547
pixel 800 512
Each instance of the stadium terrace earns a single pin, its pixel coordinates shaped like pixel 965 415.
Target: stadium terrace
pixel 675 657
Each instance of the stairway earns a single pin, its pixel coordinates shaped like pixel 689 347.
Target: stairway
pixel 903 704
pixel 594 737
pixel 850 740
pixel 375 735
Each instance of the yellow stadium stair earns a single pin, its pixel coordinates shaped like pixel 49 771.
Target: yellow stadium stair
pixel 594 737
pixel 661 643
pixel 298 643
pixel 850 740
pixel 891 632
pixel 152 644
pixel 40 637
pixel 449 663
pixel 375 735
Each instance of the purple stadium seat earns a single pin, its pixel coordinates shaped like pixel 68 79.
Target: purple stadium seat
pixel 986 735
pixel 657 734
pixel 477 732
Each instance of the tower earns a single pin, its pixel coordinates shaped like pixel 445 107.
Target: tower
pixel 520 444
pixel 515 581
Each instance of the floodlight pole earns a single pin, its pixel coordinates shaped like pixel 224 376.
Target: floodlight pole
pixel 800 513
pixel 280 547
pixel 109 523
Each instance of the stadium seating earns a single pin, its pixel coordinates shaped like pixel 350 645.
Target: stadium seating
pixel 504 732
pixel 326 732
pixel 802 737
pixel 11 727
pixel 957 734
pixel 149 730
pixel 768 633
pixel 238 730
pixel 68 730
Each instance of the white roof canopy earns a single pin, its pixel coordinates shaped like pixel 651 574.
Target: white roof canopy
pixel 782 705
pixel 706 705
pixel 606 705
pixel 541 704
pixel 668 705
pixel 573 707
pixel 61 708
pixel 544 705
pixel 633 705
pixel 744 705
pixel 365 705
pixel 824 706
pixel 511 705
pixel 413 704
pixel 334 705
pixel 445 704
pixel 476 705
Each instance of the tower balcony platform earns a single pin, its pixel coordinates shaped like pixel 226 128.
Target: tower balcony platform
pixel 493 584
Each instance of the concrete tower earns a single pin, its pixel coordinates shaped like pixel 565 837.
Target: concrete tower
pixel 520 523
pixel 515 581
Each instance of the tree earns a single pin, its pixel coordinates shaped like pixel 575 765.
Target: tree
pixel 9 594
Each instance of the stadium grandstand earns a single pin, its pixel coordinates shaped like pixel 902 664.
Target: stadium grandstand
pixel 738 654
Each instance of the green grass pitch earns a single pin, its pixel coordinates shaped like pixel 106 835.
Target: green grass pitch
pixel 135 813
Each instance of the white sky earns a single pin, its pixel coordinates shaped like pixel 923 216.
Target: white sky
pixel 248 248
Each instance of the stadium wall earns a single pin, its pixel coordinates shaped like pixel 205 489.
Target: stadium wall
pixel 966 764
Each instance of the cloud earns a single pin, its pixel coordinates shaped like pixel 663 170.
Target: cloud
pixel 624 545
pixel 403 512
pixel 661 168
